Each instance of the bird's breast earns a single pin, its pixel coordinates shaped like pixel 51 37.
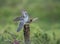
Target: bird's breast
pixel 25 19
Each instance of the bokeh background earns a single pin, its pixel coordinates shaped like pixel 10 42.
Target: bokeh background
pixel 46 30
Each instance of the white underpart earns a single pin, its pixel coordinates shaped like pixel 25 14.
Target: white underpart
pixel 25 19
pixel 25 16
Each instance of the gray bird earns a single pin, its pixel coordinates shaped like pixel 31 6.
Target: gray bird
pixel 23 20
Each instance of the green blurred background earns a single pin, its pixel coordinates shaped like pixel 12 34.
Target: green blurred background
pixel 47 26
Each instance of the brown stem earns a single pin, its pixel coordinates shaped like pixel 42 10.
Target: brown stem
pixel 27 34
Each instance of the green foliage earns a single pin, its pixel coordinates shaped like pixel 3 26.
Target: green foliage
pixel 45 31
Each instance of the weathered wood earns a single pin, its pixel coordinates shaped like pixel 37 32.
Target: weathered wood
pixel 27 34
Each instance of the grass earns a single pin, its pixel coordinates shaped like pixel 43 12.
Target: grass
pixel 48 24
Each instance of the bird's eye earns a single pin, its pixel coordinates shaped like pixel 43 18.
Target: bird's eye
pixel 26 13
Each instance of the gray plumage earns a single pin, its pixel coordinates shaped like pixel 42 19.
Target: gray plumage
pixel 20 26
pixel 23 20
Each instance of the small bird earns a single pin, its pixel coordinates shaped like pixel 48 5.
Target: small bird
pixel 23 20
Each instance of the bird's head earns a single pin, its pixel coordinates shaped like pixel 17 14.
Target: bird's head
pixel 24 13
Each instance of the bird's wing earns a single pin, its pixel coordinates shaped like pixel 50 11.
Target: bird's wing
pixel 20 26
pixel 18 18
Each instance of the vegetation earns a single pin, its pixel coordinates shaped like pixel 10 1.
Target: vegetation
pixel 44 31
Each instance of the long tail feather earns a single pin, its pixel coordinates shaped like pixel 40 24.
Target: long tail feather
pixel 20 26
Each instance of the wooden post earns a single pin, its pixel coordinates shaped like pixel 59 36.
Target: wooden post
pixel 27 34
